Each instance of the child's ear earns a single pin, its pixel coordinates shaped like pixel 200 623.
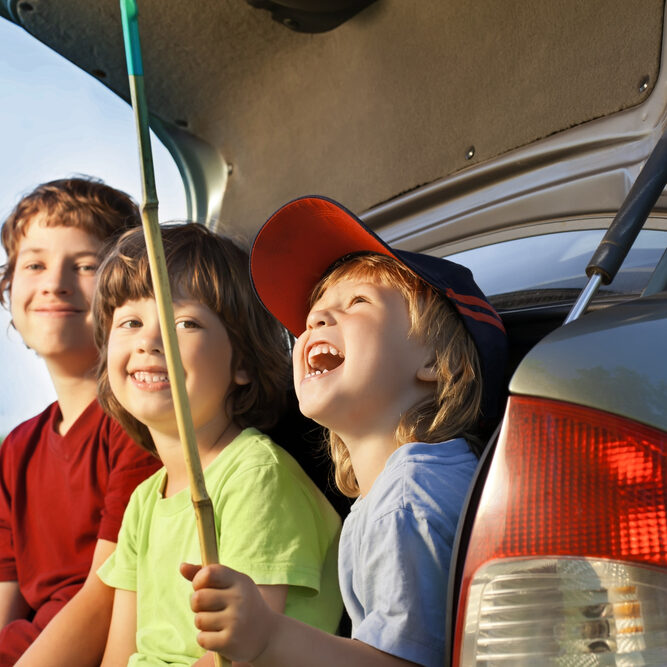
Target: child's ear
pixel 241 376
pixel 427 372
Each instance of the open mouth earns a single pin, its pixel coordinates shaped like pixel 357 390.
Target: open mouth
pixel 323 358
pixel 150 377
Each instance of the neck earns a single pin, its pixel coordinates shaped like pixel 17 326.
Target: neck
pixel 74 392
pixel 368 455
pixel 170 450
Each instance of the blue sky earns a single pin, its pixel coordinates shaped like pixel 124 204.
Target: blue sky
pixel 56 121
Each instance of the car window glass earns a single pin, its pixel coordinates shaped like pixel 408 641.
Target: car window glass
pixel 557 262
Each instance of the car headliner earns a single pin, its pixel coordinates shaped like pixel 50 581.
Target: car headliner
pixel 393 99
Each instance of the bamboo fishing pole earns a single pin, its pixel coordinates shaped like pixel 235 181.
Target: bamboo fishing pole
pixel 200 499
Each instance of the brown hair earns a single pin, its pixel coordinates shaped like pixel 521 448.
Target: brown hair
pixel 213 270
pixel 454 409
pixel 82 202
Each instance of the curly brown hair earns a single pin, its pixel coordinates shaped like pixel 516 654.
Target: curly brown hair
pixel 454 409
pixel 83 202
pixel 212 269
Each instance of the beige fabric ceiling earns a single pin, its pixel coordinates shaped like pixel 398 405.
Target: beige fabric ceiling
pixel 389 101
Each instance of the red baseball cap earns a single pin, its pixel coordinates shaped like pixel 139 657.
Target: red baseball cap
pixel 302 239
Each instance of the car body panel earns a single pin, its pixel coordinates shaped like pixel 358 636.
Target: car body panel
pixel 612 360
pixel 400 96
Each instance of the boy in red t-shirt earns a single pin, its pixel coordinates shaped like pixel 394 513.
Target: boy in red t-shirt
pixel 66 474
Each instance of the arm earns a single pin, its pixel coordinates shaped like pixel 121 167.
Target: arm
pixel 12 604
pixel 275 598
pixel 123 631
pixel 77 634
pixel 235 620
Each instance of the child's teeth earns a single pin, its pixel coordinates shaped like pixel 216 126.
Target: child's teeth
pixel 313 373
pixel 143 376
pixel 323 358
pixel 322 348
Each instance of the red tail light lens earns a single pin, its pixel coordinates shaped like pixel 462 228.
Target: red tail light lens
pixel 573 511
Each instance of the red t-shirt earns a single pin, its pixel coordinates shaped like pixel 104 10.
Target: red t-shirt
pixel 58 496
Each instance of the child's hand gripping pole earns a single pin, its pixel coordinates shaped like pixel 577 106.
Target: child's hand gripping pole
pixel 200 498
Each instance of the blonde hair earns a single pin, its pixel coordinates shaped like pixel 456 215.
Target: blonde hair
pixel 85 203
pixel 213 270
pixel 454 409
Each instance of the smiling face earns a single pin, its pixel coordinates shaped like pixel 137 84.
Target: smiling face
pixel 137 367
pixel 356 367
pixel 51 293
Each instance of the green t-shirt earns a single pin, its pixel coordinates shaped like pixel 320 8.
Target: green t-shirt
pixel 273 524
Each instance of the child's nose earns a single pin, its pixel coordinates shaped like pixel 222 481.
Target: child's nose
pixel 57 281
pixel 151 341
pixel 320 317
pixel 151 346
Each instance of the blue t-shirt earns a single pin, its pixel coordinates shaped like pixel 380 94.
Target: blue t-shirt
pixel 395 549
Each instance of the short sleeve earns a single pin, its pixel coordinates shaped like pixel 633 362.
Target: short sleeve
pixel 120 569
pixel 403 585
pixel 7 557
pixel 129 465
pixel 268 529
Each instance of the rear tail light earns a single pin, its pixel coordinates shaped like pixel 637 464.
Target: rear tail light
pixel 567 561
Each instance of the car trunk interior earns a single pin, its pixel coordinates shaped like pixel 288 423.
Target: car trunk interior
pixel 398 96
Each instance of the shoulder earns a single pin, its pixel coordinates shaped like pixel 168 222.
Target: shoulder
pixel 105 431
pixel 423 480
pixel 27 434
pixel 35 423
pixel 252 449
pixel 413 505
pixel 255 465
pixel 255 452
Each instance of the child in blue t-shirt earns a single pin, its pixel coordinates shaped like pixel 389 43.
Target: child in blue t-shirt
pixel 272 522
pixel 400 356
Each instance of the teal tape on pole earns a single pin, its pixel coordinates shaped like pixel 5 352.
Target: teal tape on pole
pixel 129 13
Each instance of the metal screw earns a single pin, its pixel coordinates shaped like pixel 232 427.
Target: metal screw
pixel 643 84
pixel 470 153
pixel 230 168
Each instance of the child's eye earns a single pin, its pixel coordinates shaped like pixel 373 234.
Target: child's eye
pixel 358 298
pixel 129 323
pixel 34 266
pixel 86 268
pixel 187 324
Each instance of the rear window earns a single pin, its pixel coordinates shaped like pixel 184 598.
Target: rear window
pixel 552 267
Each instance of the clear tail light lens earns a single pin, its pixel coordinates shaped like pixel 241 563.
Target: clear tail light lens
pixel 567 561
pixel 566 611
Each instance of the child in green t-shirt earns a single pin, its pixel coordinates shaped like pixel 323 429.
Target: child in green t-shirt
pixel 273 523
